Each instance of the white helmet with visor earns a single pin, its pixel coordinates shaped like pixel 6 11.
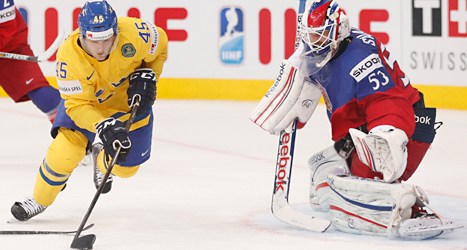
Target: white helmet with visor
pixel 323 26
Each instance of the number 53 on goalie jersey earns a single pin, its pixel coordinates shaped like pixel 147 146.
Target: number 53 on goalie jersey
pixel 364 84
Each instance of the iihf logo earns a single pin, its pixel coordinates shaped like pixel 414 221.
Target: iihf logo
pixel 231 35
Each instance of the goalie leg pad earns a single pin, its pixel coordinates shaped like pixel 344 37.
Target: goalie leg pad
pixel 372 207
pixel 320 164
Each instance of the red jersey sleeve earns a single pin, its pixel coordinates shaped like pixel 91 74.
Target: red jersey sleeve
pixel 13 32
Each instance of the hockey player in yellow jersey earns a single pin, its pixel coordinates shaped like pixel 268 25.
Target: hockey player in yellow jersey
pixel 101 68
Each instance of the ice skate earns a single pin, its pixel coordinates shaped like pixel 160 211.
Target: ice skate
pixel 425 226
pixel 98 175
pixel 25 210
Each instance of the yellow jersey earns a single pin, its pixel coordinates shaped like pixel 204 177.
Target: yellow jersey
pixel 95 90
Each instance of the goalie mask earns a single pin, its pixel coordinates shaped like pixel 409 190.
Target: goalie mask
pixel 322 28
pixel 97 21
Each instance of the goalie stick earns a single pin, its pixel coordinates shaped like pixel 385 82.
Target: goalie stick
pixel 86 242
pixel 16 232
pixel 280 199
pixel 280 206
pixel 44 56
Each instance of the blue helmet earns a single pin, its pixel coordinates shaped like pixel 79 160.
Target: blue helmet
pixel 97 21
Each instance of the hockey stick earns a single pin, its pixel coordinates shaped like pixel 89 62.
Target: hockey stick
pixel 44 56
pixel 43 232
pixel 280 199
pixel 86 242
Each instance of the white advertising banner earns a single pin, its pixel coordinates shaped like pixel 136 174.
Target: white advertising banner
pixel 245 39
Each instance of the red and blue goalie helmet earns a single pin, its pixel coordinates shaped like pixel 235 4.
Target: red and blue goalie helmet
pixel 323 26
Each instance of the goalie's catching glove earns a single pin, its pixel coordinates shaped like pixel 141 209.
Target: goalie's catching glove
pixel 142 85
pixel 112 133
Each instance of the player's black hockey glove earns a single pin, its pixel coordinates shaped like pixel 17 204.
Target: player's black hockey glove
pixel 142 84
pixel 112 133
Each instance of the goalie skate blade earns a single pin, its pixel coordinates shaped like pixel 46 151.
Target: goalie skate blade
pixel 84 242
pixel 433 229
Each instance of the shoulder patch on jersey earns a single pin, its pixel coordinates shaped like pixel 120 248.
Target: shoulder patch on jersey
pixel 7 14
pixel 365 67
pixel 154 38
pixel 69 87
pixel 128 50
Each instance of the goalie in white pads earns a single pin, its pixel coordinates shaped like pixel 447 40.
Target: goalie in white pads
pixel 371 106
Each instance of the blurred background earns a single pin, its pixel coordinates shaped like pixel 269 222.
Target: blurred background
pixel 231 50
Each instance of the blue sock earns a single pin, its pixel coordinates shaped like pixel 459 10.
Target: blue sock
pixel 45 98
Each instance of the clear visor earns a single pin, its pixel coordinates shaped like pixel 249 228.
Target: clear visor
pixel 320 47
pixel 318 39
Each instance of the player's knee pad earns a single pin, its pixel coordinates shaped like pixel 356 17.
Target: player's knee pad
pixel 117 170
pixel 320 165
pixel 66 151
pixel 63 155
pixel 366 206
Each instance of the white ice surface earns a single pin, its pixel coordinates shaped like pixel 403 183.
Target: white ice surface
pixel 208 184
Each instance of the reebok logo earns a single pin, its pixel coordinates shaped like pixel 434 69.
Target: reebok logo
pixel 278 80
pixel 316 158
pixel 423 119
pixel 284 163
